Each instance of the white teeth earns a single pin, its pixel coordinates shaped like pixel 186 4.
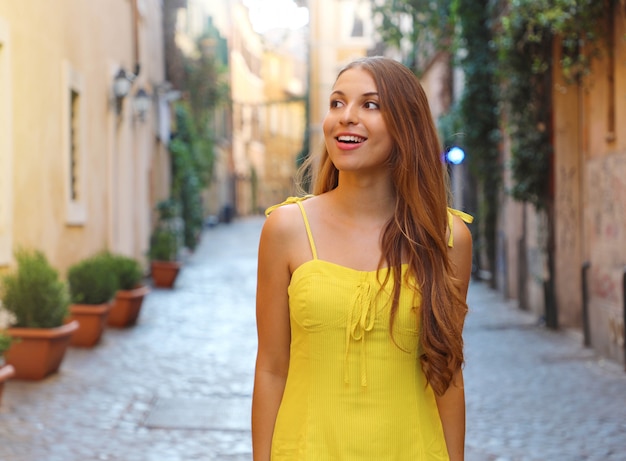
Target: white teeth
pixel 350 139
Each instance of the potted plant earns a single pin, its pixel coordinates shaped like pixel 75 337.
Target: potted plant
pixel 130 293
pixel 92 285
pixel 165 244
pixel 6 371
pixel 38 302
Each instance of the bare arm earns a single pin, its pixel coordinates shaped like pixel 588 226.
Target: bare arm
pixel 451 405
pixel 272 311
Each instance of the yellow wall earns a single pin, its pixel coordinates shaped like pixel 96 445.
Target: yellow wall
pixel 48 49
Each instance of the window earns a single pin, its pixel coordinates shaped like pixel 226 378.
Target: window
pixel 74 145
pixel 73 132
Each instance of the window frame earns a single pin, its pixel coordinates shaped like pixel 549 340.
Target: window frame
pixel 73 118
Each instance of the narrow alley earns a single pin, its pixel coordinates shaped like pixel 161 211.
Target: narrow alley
pixel 177 386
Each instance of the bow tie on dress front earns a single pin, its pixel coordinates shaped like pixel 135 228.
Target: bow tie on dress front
pixel 361 318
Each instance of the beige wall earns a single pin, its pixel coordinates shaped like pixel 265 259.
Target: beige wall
pixel 604 199
pixel 283 120
pixel 590 197
pixel 248 96
pixel 435 83
pixel 6 144
pixel 48 50
pixel 569 233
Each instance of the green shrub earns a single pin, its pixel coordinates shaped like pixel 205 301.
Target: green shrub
pixel 167 237
pixel 5 343
pixel 127 270
pixel 168 209
pixel 34 293
pixel 164 244
pixel 92 280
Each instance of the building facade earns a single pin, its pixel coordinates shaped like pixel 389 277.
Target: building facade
pixel 590 196
pixel 80 168
pixel 264 126
pixel 589 205
pixel 284 124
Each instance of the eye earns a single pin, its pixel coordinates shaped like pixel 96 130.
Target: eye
pixel 371 105
pixel 335 103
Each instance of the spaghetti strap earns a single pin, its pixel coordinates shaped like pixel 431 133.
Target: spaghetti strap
pixel 308 229
pixel 464 216
pixel 298 201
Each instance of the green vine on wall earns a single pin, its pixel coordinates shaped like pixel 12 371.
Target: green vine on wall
pixel 525 37
pixel 192 144
pixel 430 28
pixel 186 182
pixel 518 37
pixel 478 110
pixel 462 28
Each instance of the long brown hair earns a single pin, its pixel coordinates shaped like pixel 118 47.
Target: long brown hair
pixel 417 231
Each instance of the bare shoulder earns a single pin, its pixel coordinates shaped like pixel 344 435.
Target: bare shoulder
pixel 284 236
pixel 282 221
pixel 460 253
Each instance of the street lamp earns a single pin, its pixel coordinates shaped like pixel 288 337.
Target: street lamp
pixel 456 155
pixel 141 103
pixel 121 87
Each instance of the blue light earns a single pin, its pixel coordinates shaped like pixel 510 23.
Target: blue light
pixel 456 155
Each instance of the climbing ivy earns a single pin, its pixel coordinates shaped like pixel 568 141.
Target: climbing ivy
pixel 478 111
pixel 505 48
pixel 186 182
pixel 416 28
pixel 192 144
pixel 463 29
pixel 526 33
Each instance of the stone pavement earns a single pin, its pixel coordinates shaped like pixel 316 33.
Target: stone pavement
pixel 177 386
pixel 534 394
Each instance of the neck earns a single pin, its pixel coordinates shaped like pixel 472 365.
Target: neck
pixel 365 196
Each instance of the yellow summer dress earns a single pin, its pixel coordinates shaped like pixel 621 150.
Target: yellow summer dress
pixel 352 394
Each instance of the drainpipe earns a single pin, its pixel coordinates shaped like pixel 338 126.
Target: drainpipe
pixel 135 20
pixel 585 294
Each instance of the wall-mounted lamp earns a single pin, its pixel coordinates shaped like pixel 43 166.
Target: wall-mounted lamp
pixel 141 103
pixel 121 87
pixel 166 91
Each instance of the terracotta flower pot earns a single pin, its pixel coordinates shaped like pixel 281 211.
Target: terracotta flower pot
pixel 38 352
pixel 126 306
pixel 164 273
pixel 92 320
pixel 6 373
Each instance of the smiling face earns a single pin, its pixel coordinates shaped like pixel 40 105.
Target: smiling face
pixel 355 132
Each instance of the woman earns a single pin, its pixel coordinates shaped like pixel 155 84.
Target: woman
pixel 361 289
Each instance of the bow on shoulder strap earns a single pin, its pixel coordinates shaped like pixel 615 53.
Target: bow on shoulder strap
pixel 288 201
pixel 464 216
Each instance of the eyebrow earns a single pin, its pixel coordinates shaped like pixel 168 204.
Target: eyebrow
pixel 367 95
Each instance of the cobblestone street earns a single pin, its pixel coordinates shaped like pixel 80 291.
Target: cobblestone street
pixel 177 386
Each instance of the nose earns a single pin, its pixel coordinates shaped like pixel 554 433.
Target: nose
pixel 350 116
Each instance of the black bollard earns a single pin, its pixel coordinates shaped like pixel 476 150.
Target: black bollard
pixel 585 306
